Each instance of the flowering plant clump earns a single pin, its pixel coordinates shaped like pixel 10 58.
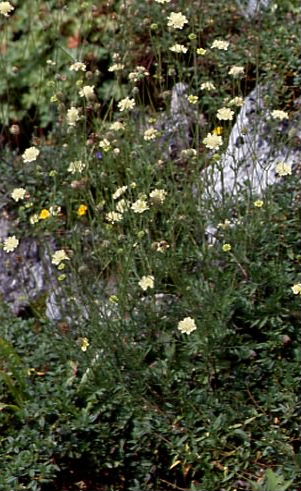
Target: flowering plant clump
pixel 187 325
pixel 177 20
pixel 30 154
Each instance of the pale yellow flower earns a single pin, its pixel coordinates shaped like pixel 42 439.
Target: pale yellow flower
pixel 76 166
pixel 193 99
pixel 105 145
pixel 207 86
pixel 146 282
pixel 213 141
pixel 116 67
pixel 126 104
pixel 296 289
pixel 236 70
pixel 87 91
pixel 114 216
pixel 34 218
pixel 158 196
pixel 258 203
pixel 177 20
pixel 201 51
pixel 284 169
pixel 151 134
pixel 30 154
pixel 6 8
pixel 59 256
pixel 178 48
pixel 10 244
pixel 117 126
pixel 139 206
pixel 55 210
pixel 278 114
pixel 227 247
pixel 119 192
pixel 236 101
pixel 162 1
pixel 18 193
pixel 187 325
pixel 122 206
pixel 220 44
pixel 78 66
pixel 139 74
pixel 224 225
pixel 72 116
pixel 225 114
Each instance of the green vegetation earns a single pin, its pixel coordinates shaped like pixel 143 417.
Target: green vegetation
pixel 176 363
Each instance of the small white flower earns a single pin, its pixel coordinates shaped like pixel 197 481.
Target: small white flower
pixel 146 282
pixel 18 193
pixel 30 154
pixel 76 166
pixel 126 104
pixel 139 206
pixel 207 86
pixel 87 91
pixel 176 20
pixel 213 141
pixel 187 325
pixel 278 114
pixel 72 116
pixel 220 45
pixel 284 169
pixel 119 192
pixel 151 134
pixel 78 66
pixel 6 8
pixel 10 244
pixel 114 216
pixel 235 70
pixel 225 114
pixel 59 256
pixel 178 48
pixel 296 289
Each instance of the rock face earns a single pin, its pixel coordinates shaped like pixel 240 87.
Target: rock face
pixel 250 8
pixel 256 145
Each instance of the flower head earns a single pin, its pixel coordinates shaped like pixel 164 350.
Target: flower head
pixel 220 45
pixel 59 256
pixel 18 193
pixel 193 99
pixel 87 91
pixel 114 216
pixel 30 154
pixel 213 141
pixel 278 114
pixel 76 166
pixel 10 244
pixel 78 66
pixel 227 247
pixel 283 169
pixel 126 104
pixel 139 206
pixel 201 51
pixel 296 289
pixel 146 282
pixel 176 20
pixel 84 344
pixel 72 116
pixel 158 196
pixel 119 192
pixel 6 8
pixel 187 325
pixel 207 86
pixel 151 134
pixel 258 203
pixel 225 114
pixel 235 70
pixel 178 48
pixel 236 101
pixel 82 210
pixel 44 214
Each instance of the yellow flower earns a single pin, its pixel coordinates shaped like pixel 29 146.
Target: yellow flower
pixel 283 169
pixel 297 289
pixel 146 282
pixel 227 247
pixel 30 154
pixel 201 51
pixel 6 8
pixel 10 244
pixel 176 20
pixel 258 203
pixel 219 130
pixel 193 99
pixel 85 344
pixel 82 210
pixel 187 325
pixel 44 214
